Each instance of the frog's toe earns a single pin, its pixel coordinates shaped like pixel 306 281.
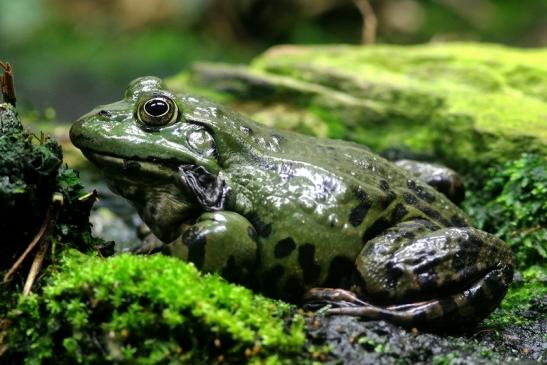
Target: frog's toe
pixel 317 298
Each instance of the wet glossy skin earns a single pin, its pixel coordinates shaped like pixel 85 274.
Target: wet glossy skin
pixel 285 213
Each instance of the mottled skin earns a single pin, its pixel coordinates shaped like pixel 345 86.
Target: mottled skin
pixel 287 214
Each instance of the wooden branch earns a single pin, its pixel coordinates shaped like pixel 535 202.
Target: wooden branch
pixel 47 224
pixel 6 83
pixel 368 35
pixel 36 266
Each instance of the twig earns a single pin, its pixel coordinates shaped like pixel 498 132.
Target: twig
pixel 368 35
pixel 36 266
pixel 47 224
pixel 6 83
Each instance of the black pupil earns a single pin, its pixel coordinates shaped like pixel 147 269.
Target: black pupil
pixel 156 107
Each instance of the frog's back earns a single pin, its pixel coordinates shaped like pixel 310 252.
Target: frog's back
pixel 386 192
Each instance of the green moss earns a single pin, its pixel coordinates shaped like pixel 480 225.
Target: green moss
pixel 513 205
pixel 148 310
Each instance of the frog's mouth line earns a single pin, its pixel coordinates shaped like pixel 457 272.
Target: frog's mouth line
pixel 133 166
pixel 208 190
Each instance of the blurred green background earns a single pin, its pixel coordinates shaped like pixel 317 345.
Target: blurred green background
pixel 74 54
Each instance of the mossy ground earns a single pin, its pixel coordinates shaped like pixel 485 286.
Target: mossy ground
pixel 150 310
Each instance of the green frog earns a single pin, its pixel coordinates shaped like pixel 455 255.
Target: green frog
pixel 311 221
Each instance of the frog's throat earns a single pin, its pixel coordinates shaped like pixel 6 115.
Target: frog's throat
pixel 166 195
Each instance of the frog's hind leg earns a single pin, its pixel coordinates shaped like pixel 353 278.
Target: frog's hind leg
pixel 417 275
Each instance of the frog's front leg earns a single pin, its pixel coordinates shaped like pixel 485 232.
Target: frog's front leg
pixel 222 242
pixel 442 178
pixel 419 275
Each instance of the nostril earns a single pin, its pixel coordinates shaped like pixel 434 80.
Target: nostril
pixel 105 113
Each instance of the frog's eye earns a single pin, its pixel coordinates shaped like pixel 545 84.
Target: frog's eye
pixel 157 111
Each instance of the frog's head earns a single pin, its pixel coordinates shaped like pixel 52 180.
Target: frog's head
pixel 164 152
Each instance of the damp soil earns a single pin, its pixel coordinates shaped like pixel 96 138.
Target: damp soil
pixel 354 341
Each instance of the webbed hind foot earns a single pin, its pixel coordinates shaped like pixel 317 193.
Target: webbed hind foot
pixel 451 312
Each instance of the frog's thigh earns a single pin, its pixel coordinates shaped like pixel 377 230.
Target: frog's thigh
pixel 223 242
pixel 419 273
pixel 443 179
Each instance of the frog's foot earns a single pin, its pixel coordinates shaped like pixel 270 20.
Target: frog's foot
pixel 346 302
pixel 222 242
pixel 443 179
pixel 451 312
pixel 418 275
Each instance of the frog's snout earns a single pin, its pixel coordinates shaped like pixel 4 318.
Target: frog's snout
pixel 76 133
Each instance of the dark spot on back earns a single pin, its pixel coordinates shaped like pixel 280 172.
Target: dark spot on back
pixel 434 214
pixel 340 272
pixel 262 228
pixel 398 213
pixel 358 214
pixel 427 196
pixel 410 198
pixel 388 199
pixel 420 191
pixel 411 184
pixel 384 185
pixel 306 260
pixel 284 248
pixel 195 240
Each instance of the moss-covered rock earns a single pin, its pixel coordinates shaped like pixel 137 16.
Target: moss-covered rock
pixel 31 173
pixel 462 103
pixel 150 310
